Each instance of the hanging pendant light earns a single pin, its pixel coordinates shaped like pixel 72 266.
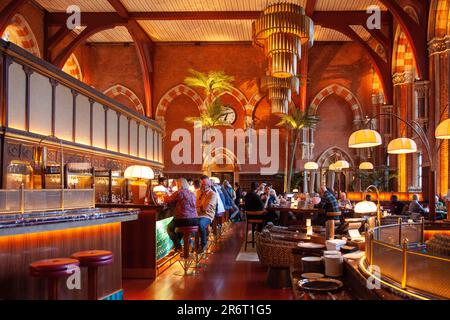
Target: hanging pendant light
pixel 279 92
pixel 311 166
pixel 364 139
pixel 366 166
pixel 281 30
pixel 402 146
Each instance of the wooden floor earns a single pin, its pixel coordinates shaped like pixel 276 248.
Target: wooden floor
pixel 223 279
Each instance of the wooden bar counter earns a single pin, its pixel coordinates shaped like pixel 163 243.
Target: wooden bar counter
pixel 141 255
pixel 37 236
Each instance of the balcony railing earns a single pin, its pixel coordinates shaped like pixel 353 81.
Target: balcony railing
pixel 37 99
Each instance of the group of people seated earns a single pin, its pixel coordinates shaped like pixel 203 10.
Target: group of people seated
pixel 415 209
pixel 198 203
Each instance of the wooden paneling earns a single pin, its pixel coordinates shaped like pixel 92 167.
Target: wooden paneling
pixel 85 5
pixel 17 252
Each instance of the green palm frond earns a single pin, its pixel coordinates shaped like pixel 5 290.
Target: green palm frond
pixel 297 119
pixel 214 82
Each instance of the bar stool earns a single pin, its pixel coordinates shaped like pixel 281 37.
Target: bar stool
pixel 254 218
pixel 186 260
pixel 92 260
pixel 333 216
pixel 53 269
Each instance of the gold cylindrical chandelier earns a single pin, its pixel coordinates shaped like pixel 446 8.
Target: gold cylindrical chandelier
pixel 281 30
pixel 279 91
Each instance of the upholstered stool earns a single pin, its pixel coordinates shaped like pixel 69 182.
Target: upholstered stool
pixel 52 270
pixel 186 260
pixel 254 218
pixel 92 260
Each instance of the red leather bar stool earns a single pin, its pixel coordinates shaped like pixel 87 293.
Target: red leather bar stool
pixel 186 260
pixel 53 270
pixel 92 260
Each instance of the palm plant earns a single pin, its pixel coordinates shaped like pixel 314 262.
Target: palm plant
pixel 295 121
pixel 213 84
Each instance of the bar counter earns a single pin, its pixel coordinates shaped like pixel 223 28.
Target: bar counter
pixel 36 236
pixel 146 247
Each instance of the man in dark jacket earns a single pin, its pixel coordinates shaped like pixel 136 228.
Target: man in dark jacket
pixel 253 201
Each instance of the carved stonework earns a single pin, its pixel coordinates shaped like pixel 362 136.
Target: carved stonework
pixel 402 78
pixel 437 45
pixel 422 88
pixel 20 152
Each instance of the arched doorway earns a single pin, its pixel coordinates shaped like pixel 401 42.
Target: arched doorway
pixel 222 163
pixel 336 180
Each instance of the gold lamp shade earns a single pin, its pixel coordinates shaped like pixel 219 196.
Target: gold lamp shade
pixel 281 30
pixel 341 164
pixel 311 166
pixel 366 166
pixel 443 130
pixel 402 146
pixel 139 172
pixel 365 207
pixel 364 139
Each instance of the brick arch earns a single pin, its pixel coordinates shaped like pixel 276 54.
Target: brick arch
pixel 341 92
pixel 403 56
pixel 19 32
pixel 170 95
pixel 328 157
pixel 238 95
pixel 120 90
pixel 73 68
pixel 438 19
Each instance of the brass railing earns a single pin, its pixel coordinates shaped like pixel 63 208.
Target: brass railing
pixel 398 251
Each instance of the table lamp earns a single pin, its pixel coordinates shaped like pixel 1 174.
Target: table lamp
pixel 139 175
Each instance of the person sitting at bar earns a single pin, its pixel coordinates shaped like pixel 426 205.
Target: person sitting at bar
pixel 253 201
pixel 398 207
pixel 369 197
pixel 239 196
pixel 206 209
pixel 162 182
pixel 328 203
pixel 344 203
pixel 441 209
pixel 415 208
pixel 185 211
pixel 230 196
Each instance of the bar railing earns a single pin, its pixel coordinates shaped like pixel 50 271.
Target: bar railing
pixel 24 200
pixel 399 253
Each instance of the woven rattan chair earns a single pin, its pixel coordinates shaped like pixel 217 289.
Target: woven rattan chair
pixel 277 256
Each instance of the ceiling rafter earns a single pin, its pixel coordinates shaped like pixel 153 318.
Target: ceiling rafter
pixel 382 67
pixel 416 35
pixel 144 47
pixel 319 17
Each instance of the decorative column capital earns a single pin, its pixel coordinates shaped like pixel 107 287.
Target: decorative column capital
pixel 403 78
pixel 437 45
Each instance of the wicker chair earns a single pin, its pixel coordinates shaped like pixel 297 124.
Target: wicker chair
pixel 277 256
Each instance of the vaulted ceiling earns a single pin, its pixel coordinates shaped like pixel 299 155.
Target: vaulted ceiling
pixel 204 21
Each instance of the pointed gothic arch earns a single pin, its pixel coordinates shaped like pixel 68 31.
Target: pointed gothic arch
pixel 342 92
pixel 20 33
pixel 120 90
pixel 72 67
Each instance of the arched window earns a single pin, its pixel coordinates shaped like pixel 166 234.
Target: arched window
pixel 19 33
pixel 73 68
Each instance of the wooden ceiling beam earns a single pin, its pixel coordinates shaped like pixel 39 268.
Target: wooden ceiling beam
pixel 144 48
pixel 310 7
pixel 416 33
pixel 319 17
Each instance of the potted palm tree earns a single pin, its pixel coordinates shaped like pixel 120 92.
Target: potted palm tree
pixel 212 115
pixel 295 122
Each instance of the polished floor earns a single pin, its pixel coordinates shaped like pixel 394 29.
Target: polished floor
pixel 224 278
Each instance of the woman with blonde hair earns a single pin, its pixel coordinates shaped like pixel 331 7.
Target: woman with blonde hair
pixel 185 211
